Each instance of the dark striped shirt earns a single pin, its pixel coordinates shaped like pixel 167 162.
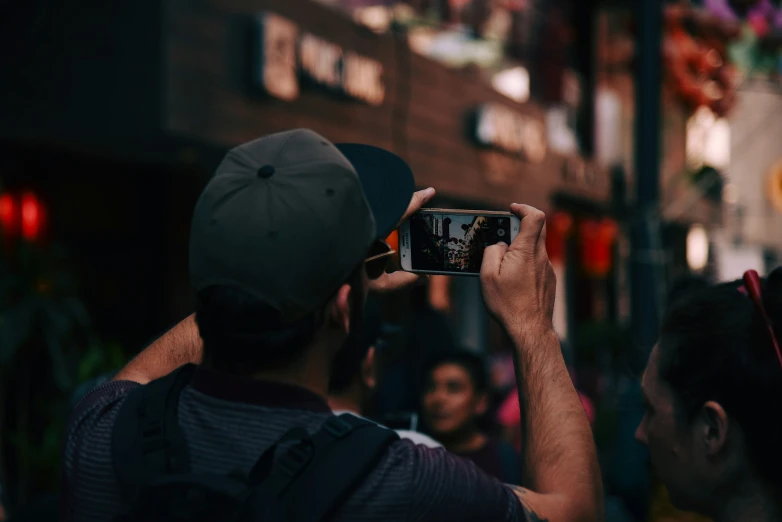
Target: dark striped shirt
pixel 229 422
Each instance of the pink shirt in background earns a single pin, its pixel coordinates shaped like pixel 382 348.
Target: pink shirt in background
pixel 509 413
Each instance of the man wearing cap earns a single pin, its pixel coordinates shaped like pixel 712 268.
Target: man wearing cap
pixel 284 243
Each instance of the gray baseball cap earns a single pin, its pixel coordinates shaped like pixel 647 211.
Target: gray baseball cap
pixel 288 217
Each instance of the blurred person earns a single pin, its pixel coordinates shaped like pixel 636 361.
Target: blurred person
pixel 353 392
pixel 713 422
pixel 422 332
pixel 685 285
pixel 456 396
pixel 660 505
pixel 277 305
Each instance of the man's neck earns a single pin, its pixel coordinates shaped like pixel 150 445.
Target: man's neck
pixel 313 384
pixel 350 399
pixel 344 403
pixel 307 373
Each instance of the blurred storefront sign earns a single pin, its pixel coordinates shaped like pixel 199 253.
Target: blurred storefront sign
pixel 501 127
pixel 513 83
pixel 282 54
pixel 277 71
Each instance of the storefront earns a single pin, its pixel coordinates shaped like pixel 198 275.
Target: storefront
pixel 157 110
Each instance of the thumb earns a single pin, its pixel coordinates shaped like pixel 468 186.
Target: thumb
pixel 492 259
pixel 395 281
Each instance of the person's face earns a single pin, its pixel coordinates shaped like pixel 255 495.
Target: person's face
pixel 678 449
pixel 451 403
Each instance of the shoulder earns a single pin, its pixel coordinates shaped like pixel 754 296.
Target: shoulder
pixel 443 486
pixel 418 438
pixel 87 468
pixel 97 406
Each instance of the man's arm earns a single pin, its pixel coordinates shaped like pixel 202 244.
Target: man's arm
pixel 561 472
pixel 180 345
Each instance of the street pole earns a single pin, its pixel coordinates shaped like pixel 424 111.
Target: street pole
pixel 628 472
pixel 645 229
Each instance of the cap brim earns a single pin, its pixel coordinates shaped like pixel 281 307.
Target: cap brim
pixel 387 181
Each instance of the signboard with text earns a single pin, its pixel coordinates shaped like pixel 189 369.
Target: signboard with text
pixel 285 54
pixel 503 128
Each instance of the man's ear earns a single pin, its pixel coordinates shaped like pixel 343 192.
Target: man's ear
pixel 368 371
pixel 340 309
pixel 482 405
pixel 712 428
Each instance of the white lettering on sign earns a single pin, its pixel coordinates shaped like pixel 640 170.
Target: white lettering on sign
pixel 321 61
pixel 363 78
pixel 505 129
pixel 278 57
pixel 325 63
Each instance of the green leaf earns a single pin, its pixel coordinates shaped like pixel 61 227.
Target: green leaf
pixel 91 363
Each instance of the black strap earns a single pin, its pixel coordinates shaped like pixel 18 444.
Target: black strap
pixel 261 471
pixel 315 477
pixel 147 441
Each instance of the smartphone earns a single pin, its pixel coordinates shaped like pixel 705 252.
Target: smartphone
pixel 451 242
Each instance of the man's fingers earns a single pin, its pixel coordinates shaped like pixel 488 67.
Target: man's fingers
pixel 395 281
pixel 533 222
pixel 492 259
pixel 420 199
pixel 542 251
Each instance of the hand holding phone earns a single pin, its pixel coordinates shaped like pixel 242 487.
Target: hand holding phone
pixel 451 242
pixel 517 281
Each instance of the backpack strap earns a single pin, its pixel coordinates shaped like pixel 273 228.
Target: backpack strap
pixel 147 442
pixel 315 477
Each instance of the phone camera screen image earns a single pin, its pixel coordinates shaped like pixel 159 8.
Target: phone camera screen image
pixel 454 242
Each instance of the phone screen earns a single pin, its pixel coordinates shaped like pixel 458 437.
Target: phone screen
pixel 454 243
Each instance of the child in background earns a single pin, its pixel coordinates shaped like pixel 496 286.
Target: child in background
pixel 455 398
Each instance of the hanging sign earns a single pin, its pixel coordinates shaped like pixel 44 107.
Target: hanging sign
pixel 283 55
pixel 276 73
pixel 503 128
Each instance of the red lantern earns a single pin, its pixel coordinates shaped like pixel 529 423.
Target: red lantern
pixel 8 215
pixel 32 217
pixel 597 241
pixel 557 231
